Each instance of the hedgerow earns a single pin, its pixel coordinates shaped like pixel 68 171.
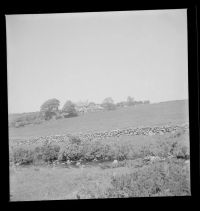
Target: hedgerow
pixel 75 149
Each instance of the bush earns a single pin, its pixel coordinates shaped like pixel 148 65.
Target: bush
pixel 45 153
pixel 154 180
pixel 165 147
pixel 74 140
pixel 22 156
pixel 49 152
pixel 181 151
pixel 158 179
pixel 97 150
pixel 70 151
pixel 89 150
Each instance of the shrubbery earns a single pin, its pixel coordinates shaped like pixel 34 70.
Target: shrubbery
pixel 154 180
pixel 158 179
pixel 167 177
pixel 181 151
pixel 45 153
pixel 174 146
pixel 22 156
pixel 71 151
pixel 75 149
pixel 49 152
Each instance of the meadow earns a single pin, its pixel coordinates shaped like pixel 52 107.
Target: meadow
pixel 147 165
pixel 172 112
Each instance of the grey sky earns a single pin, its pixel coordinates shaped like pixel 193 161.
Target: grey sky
pixel 81 56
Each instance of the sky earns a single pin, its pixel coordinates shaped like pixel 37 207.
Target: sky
pixel 91 56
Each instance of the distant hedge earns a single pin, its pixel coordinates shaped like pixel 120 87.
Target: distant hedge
pixel 26 119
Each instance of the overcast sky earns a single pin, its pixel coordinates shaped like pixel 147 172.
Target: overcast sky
pixel 80 56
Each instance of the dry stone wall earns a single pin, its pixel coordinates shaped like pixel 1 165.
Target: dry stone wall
pixel 146 131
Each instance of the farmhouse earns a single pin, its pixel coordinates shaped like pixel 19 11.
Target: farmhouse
pixel 89 107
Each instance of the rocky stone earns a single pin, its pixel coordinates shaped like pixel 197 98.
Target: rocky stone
pixel 102 135
pixel 115 162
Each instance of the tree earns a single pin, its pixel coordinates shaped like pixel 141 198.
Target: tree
pixel 108 104
pixel 69 109
pixel 130 101
pixel 49 108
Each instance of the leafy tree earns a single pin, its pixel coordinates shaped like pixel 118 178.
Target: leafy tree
pixel 69 109
pixel 108 104
pixel 49 108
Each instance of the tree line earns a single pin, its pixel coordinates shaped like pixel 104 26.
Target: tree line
pixel 50 110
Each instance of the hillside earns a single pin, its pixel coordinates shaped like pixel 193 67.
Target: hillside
pixel 17 115
pixel 172 112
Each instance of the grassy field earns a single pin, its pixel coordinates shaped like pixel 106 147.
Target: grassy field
pixel 94 179
pixel 48 183
pixel 131 177
pixel 173 112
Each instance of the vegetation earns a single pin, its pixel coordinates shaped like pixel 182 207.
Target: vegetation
pixel 49 108
pixel 69 109
pixel 108 104
pixel 75 149
pixel 156 179
pixel 26 119
pixel 22 156
pixel 159 114
pixel 147 165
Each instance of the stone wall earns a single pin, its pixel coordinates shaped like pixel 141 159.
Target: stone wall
pixel 135 131
pixel 146 131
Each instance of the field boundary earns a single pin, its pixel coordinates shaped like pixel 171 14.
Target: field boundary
pixel 146 131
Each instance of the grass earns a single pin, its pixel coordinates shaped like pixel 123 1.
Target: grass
pixel 46 183
pixel 56 183
pixel 104 180
pixel 173 112
pixel 35 179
